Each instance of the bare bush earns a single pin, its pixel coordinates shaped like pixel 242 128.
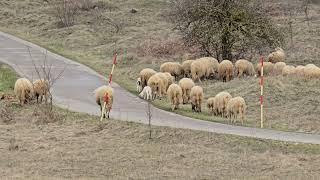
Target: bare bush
pixel 225 29
pixel 44 115
pixel 65 11
pixel 6 113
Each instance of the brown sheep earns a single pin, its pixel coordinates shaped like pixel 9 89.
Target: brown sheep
pixel 277 69
pixel 170 78
pixel 236 108
pixel 288 70
pixel 277 56
pixel 41 89
pixel 197 71
pixel 220 103
pixel 244 67
pixel 174 68
pixel 158 86
pixel 186 65
pixel 196 95
pixel 174 96
pixel 145 74
pixel 104 98
pixel 210 106
pixel 267 68
pixel 186 84
pixel 225 70
pixel 165 79
pixel 312 71
pixel 23 89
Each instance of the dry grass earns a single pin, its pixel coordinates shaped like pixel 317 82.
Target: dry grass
pixel 81 147
pixel 146 39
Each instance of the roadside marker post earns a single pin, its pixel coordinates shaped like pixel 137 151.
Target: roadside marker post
pixel 261 92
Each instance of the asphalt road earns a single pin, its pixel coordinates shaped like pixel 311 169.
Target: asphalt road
pixel 74 90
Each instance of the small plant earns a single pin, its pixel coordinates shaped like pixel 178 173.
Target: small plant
pixel 65 11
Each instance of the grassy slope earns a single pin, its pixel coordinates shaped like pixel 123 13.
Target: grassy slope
pixel 292 104
pixel 7 78
pixel 76 145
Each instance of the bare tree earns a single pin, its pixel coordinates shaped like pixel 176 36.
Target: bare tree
pixel 66 11
pixel 44 72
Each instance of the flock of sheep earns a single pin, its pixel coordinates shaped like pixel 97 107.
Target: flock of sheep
pixel 152 84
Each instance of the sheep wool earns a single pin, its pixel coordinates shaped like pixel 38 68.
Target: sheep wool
pixel 104 94
pixel 174 96
pixel 186 84
pixel 225 70
pixel 41 89
pixel 244 67
pixel 236 109
pixel 210 105
pixel 220 103
pixel 145 74
pixel 23 89
pixel 278 67
pixel 186 66
pixel 174 68
pixel 277 56
pixel 196 96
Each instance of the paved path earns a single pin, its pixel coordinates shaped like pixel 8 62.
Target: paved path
pixel 75 92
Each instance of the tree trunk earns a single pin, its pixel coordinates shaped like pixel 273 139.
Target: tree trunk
pixel 226 46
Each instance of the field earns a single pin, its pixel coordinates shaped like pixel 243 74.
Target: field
pixel 147 39
pixel 75 145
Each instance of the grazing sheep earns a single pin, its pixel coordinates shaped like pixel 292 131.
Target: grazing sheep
pixel 186 84
pixel 174 68
pixel 225 70
pixel 267 68
pixel 174 96
pixel 196 95
pixel 139 85
pixel 277 56
pixel 244 67
pixel 220 103
pixel 104 98
pixel 41 89
pixel 165 79
pixel 170 78
pixel 288 70
pixel 146 93
pixel 23 89
pixel 209 66
pixel 145 74
pixel 186 66
pixel 236 108
pixel 158 85
pixel 197 72
pixel 300 71
pixel 210 105
pixel 312 71
pixel 277 69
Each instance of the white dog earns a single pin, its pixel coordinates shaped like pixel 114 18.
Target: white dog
pixel 146 93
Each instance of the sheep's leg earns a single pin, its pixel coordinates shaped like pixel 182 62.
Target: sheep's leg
pixel 41 98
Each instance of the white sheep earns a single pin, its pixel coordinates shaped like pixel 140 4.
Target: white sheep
pixel 146 93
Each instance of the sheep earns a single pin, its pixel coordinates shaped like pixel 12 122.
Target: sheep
pixel 158 85
pixel 220 103
pixel 170 78
pixel 277 56
pixel 300 71
pixel 196 95
pixel 244 67
pixel 165 79
pixel 186 84
pixel 104 98
pixel 209 66
pixel 174 68
pixel 23 89
pixel 41 89
pixel 186 66
pixel 145 74
pixel 277 69
pixel 267 68
pixel 225 70
pixel 312 71
pixel 197 72
pixel 210 105
pixel 139 85
pixel 236 108
pixel 174 96
pixel 288 70
pixel 146 93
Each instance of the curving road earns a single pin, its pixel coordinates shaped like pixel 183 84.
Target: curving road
pixel 75 91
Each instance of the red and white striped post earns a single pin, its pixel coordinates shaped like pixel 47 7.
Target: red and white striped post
pixel 114 62
pixel 261 92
